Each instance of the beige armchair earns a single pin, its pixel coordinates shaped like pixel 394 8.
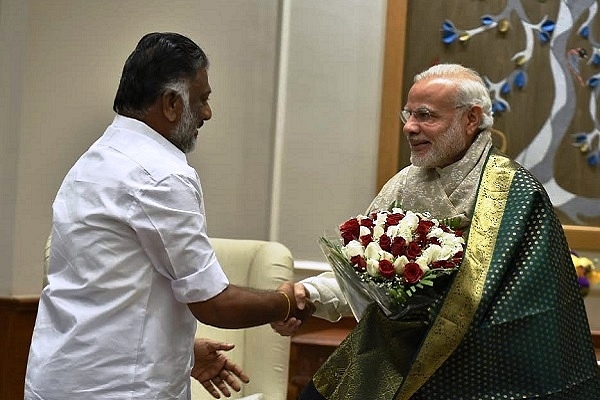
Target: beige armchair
pixel 262 353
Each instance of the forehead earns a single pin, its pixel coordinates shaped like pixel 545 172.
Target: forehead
pixel 432 93
pixel 199 84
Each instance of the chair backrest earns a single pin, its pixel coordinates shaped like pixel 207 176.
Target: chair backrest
pixel 261 352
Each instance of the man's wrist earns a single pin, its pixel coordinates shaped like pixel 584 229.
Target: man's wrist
pixel 289 304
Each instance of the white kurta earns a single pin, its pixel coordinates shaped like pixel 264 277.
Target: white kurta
pixel 129 250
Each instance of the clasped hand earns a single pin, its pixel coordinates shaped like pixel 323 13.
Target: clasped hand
pixel 304 308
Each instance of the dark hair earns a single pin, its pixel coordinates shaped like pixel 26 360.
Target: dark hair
pixel 159 60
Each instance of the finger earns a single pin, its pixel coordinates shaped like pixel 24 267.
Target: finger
pixel 237 371
pixel 210 388
pixel 287 328
pixel 231 380
pixel 222 385
pixel 213 345
pixel 300 294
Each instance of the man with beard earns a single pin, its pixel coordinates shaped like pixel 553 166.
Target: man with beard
pixel 131 267
pixel 511 323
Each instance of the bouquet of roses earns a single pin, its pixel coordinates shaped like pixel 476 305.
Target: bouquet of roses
pixel 399 259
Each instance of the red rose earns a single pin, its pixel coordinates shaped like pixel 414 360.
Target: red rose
pixel 359 263
pixel 424 227
pixel 412 272
pixel 434 240
pixel 350 230
pixel 393 219
pixel 447 264
pixel 385 242
pixel 386 269
pixel 368 222
pixel 366 239
pixel 413 251
pixel 398 246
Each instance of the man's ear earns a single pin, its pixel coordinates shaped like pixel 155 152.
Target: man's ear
pixel 474 119
pixel 172 105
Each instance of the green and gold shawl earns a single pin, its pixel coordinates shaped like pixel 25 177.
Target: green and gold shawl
pixel 512 324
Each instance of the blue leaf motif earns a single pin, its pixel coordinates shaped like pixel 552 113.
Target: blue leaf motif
pixel 595 59
pixel 498 107
pixel 505 88
pixel 544 37
pixel 593 159
pixel 594 82
pixel 585 32
pixel 580 138
pixel 520 79
pixel 548 26
pixel 487 20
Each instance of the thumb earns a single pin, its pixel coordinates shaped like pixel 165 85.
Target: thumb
pixel 213 345
pixel 300 294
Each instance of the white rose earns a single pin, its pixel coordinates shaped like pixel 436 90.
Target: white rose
pixel 354 248
pixel 432 253
pixel 423 263
pixel 381 218
pixel 373 251
pixel 373 267
pixel 393 231
pixel 387 256
pixel 399 264
pixel 377 232
pixel 364 231
pixel 436 232
pixel 405 231
pixel 411 220
pixel 450 239
pixel 446 252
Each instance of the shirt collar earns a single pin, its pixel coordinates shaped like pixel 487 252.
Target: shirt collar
pixel 123 122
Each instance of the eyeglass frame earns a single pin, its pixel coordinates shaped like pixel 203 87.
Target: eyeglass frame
pixel 423 115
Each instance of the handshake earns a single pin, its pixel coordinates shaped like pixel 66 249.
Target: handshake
pixel 300 308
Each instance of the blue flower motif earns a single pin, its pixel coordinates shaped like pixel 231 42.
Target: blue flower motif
pixel 593 82
pixel 595 60
pixel 546 31
pixel 520 79
pixel 449 34
pixel 584 32
pixel 593 159
pixel 505 88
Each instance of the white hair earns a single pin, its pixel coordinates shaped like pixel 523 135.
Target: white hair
pixel 471 89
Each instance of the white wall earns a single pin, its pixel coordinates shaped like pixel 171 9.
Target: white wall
pixel 60 63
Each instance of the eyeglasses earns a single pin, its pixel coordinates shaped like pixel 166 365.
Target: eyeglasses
pixel 422 115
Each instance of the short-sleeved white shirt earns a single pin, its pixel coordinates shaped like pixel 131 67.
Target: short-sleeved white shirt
pixel 129 251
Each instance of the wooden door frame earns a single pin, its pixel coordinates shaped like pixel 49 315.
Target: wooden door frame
pixel 391 91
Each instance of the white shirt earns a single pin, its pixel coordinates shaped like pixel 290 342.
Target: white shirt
pixel 129 251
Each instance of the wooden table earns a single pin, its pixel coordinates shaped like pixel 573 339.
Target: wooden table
pixel 311 347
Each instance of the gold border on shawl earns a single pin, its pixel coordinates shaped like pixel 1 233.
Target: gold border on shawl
pixel 463 298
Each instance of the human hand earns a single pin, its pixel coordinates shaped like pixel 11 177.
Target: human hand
pixel 306 308
pixel 214 370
